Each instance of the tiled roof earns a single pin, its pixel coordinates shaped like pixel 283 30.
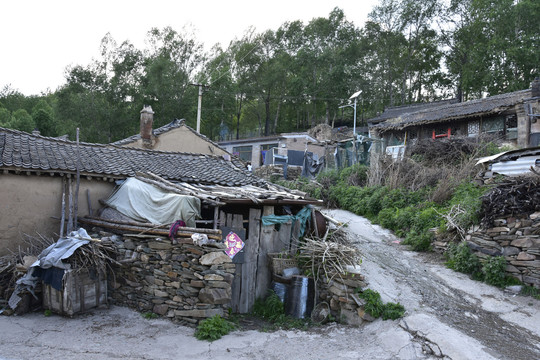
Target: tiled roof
pixel 27 152
pixel 452 111
pixel 396 111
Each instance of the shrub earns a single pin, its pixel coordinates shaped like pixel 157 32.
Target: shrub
pixel 494 270
pixel 419 241
pixel 460 258
pixel 376 308
pixel 374 305
pixel 213 328
pixel 272 310
pixel 374 203
pixel 355 175
pixel 393 311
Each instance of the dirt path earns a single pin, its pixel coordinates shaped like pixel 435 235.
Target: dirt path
pixel 448 317
pixel 440 300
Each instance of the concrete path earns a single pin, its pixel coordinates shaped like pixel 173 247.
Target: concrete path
pixel 448 316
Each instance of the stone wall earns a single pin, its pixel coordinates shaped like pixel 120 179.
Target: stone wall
pixel 515 238
pixel 339 293
pixel 184 282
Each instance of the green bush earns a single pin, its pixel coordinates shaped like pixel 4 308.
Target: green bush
pixel 355 175
pixel 374 203
pixel 376 308
pixel 213 328
pixel 374 305
pixel 271 309
pixel 419 241
pixel 494 270
pixel 393 311
pixel 460 258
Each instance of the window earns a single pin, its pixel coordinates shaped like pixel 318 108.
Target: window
pixel 243 152
pixel 264 152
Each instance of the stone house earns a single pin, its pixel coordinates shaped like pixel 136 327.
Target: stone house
pixel 509 116
pixel 39 175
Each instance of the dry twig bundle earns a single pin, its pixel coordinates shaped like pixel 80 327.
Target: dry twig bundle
pixel 512 196
pixel 328 258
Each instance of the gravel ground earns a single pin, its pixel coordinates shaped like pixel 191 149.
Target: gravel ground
pixel 448 316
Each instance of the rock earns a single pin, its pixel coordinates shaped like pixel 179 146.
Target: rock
pixel 213 277
pixel 351 318
pixel 522 242
pixel 510 250
pixel 514 289
pixel 158 245
pixel 214 296
pixel 215 258
pixel 160 309
pixel 198 313
pixel 160 293
pixel 534 215
pixel 498 229
pixel 196 283
pixel 219 284
pixel 364 315
pixel 523 256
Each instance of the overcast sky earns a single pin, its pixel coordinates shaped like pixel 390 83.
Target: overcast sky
pixel 41 37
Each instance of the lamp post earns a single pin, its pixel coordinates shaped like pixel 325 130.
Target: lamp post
pixel 355 96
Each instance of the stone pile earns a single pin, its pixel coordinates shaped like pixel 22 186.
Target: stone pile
pixel 184 282
pixel 275 172
pixel 340 292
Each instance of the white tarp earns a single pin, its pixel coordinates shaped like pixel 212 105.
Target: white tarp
pixel 145 202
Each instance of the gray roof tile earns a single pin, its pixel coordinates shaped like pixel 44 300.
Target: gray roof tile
pixel 26 151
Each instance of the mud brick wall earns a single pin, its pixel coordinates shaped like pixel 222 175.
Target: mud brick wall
pixel 515 238
pixel 184 282
pixel 340 293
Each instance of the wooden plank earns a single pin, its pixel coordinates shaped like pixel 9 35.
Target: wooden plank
pixel 283 239
pixel 265 246
pixel 294 238
pixel 234 221
pixel 249 268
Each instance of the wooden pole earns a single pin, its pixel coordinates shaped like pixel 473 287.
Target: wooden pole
pixel 63 219
pixel 76 203
pixel 70 204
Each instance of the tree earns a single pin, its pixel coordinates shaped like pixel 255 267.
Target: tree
pixel 21 120
pixel 43 116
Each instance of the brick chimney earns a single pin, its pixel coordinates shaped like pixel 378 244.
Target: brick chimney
pixel 535 87
pixel 147 120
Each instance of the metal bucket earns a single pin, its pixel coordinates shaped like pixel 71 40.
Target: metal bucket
pixel 300 297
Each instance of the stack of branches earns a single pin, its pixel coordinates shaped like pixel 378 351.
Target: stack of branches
pixel 447 151
pixel 511 196
pixel 329 258
pixel 92 256
pixel 408 173
pixel 13 265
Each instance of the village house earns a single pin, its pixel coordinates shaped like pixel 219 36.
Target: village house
pixel 512 116
pixel 175 137
pixel 40 177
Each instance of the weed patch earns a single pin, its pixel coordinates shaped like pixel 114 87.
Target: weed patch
pixel 213 328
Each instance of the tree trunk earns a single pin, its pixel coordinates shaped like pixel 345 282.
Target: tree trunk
pixel 277 116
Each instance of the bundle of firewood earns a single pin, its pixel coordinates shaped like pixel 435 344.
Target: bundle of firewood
pixel 511 196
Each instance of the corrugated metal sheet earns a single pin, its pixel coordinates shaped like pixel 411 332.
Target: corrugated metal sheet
pixel 516 167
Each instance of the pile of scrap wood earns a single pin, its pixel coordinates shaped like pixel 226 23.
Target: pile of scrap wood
pixel 511 196
pixel 330 256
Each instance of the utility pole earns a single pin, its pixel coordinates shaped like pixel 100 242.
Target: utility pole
pixel 199 107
